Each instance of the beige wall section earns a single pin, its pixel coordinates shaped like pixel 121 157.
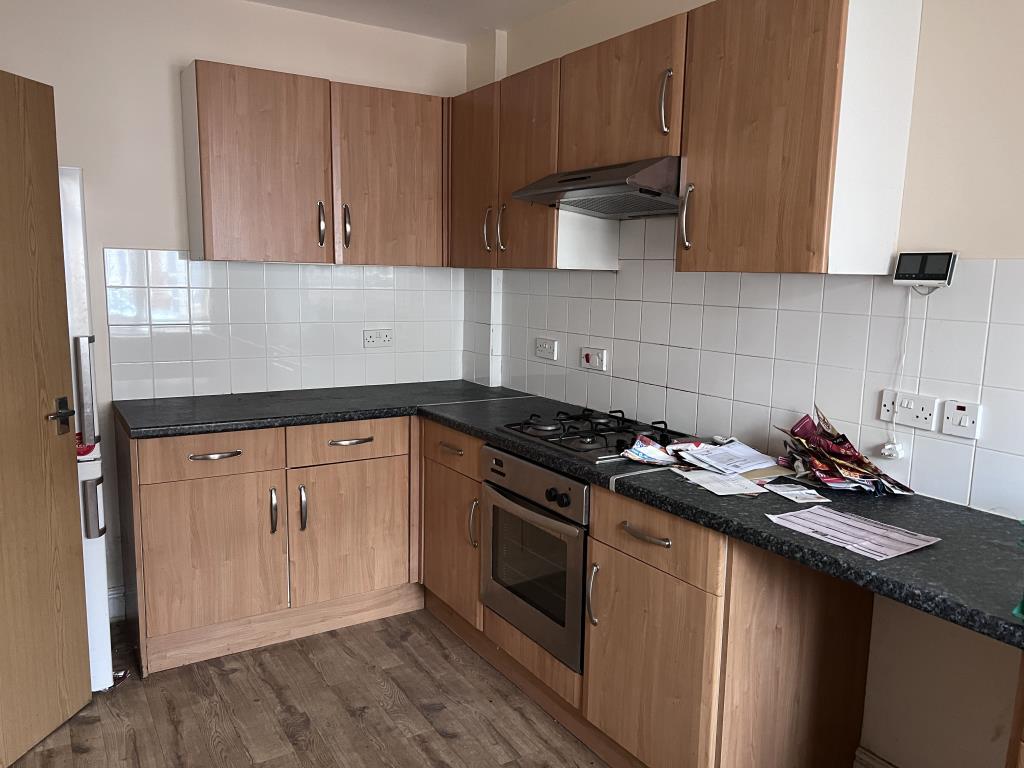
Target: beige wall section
pixel 114 65
pixel 486 58
pixel 966 155
pixel 938 696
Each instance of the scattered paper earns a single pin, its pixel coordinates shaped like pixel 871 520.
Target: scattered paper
pixel 801 494
pixel 647 451
pixel 732 458
pixel 870 538
pixel 719 484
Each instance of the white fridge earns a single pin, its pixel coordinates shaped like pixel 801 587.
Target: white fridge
pixel 90 470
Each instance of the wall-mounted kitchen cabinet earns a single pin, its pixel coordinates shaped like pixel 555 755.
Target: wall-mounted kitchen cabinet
pixel 796 127
pixel 257 164
pixel 621 100
pixel 387 176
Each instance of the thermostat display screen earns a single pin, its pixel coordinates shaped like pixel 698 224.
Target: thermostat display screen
pixel 924 266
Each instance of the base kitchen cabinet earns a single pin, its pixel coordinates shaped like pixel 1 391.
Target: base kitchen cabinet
pixel 451 540
pixel 349 528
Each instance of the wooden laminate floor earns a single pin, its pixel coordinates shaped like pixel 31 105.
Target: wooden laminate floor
pixel 400 692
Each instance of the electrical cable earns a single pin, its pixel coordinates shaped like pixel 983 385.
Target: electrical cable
pixel 902 365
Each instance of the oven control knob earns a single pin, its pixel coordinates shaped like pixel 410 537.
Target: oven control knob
pixel 551 494
pixel 564 500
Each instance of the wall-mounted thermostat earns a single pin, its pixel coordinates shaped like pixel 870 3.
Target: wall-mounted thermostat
pixel 925 270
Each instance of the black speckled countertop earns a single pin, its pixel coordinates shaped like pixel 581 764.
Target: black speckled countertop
pixel 973 577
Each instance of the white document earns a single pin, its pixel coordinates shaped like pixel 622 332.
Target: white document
pixel 731 458
pixel 719 484
pixel 801 494
pixel 870 538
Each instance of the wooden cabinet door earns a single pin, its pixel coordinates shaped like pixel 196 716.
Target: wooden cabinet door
pixel 611 98
pixel 451 539
pixel 264 163
pixel 474 178
pixel 214 550
pixel 387 176
pixel 528 148
pixel 761 121
pixel 652 661
pixel 353 536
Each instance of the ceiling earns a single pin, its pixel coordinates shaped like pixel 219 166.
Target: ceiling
pixel 456 20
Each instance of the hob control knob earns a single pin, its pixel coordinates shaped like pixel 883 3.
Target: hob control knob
pixel 551 494
pixel 564 500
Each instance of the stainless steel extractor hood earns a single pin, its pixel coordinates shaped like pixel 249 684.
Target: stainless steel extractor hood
pixel 627 191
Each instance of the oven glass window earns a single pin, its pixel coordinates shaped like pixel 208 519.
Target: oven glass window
pixel 531 563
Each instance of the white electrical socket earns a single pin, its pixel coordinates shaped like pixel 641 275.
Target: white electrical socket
pixel 377 337
pixel 961 419
pixel 909 409
pixel 594 358
pixel 546 348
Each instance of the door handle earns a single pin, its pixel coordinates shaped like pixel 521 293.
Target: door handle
pixel 645 537
pixel 662 98
pixel 61 414
pixel 487 221
pixel 86 394
pixel 346 227
pixel 590 593
pixel 501 216
pixel 214 456
pixel 684 217
pixel 350 442
pixel 472 518
pixel 321 223
pixel 303 508
pixel 94 529
pixel 273 510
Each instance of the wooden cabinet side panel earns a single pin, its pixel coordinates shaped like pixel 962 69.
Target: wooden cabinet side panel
pixel 265 164
pixel 610 94
pixel 761 126
pixel 388 156
pixel 796 654
pixel 652 662
pixel 528 149
pixel 357 534
pixel 474 178
pixel 451 564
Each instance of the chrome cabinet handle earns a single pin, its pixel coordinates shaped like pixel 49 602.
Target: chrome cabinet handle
pixel 645 537
pixel 666 76
pixel 92 524
pixel 501 215
pixel 350 441
pixel 214 456
pixel 472 518
pixel 273 510
pixel 684 217
pixel 590 593
pixel 303 508
pixel 346 228
pixel 452 448
pixel 321 223
pixel 487 221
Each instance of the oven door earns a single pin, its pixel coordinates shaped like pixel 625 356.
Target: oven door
pixel 532 572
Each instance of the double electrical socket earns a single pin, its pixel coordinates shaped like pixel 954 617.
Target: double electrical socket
pixel 546 348
pixel 909 409
pixel 377 337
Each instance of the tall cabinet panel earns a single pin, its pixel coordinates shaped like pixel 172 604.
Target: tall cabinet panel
pixel 387 176
pixel 258 164
pixel 621 100
pixel 526 232
pixel 474 178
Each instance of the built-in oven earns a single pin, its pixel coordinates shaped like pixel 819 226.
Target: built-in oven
pixel 534 545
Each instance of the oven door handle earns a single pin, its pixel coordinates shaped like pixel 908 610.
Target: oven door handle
pixel 543 522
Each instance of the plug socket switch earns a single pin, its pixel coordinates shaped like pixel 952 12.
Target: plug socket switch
pixel 961 419
pixel 909 409
pixel 594 358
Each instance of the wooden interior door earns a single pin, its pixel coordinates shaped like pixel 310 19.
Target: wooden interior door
pixel 354 535
pixel 611 98
pixel 451 562
pixel 215 550
pixel 388 171
pixel 761 121
pixel 651 661
pixel 44 652
pixel 265 164
pixel 474 178
pixel 528 151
